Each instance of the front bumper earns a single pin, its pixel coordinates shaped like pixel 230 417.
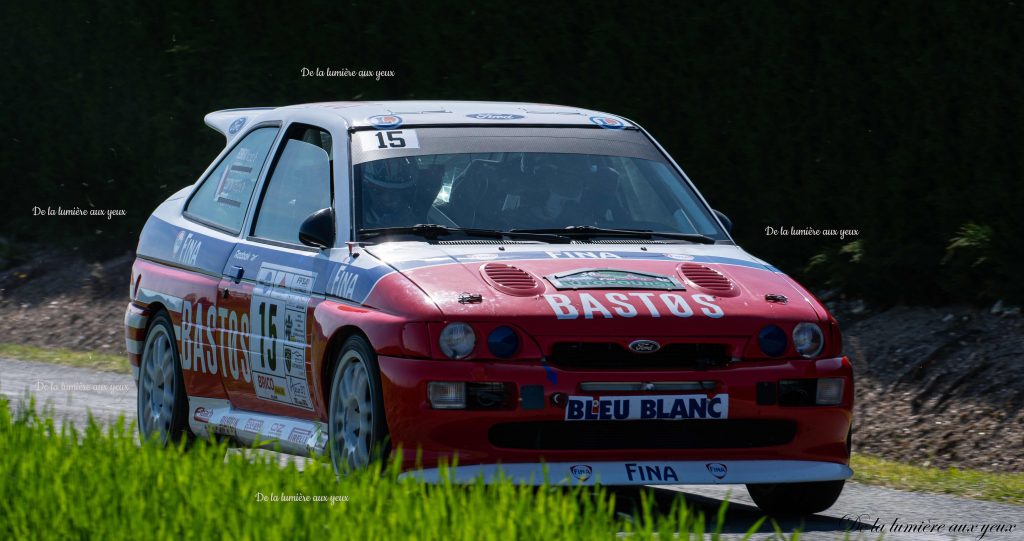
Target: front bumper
pixel 641 473
pixel 816 435
pixel 135 320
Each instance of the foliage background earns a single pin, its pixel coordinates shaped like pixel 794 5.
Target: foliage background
pixel 902 120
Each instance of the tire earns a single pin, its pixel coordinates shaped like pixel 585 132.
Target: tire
pixel 162 402
pixel 356 428
pixel 796 498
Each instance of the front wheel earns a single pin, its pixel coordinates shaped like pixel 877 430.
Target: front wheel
pixel 357 431
pixel 796 498
pixel 162 404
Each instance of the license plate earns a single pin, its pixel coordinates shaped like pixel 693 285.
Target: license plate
pixel 657 407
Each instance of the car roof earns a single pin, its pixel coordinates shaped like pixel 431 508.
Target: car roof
pixel 387 114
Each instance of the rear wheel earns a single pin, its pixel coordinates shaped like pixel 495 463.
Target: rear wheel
pixel 796 498
pixel 162 404
pixel 357 431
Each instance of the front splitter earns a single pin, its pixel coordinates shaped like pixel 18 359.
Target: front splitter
pixel 690 472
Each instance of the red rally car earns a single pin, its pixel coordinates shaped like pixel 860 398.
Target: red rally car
pixel 533 288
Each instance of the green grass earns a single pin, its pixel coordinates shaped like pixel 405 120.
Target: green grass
pixel 83 359
pixel 99 483
pixel 979 485
pixel 997 487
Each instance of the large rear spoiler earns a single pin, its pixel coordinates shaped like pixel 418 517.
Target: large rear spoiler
pixel 231 121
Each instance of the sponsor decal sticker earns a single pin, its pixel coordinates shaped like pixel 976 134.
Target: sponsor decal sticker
pixel 494 116
pixel 661 407
pixel 237 125
pixel 299 435
pixel 178 241
pixel 583 255
pixel 238 178
pixel 243 255
pixel 343 283
pixel 300 393
pixel 387 139
pixel 253 425
pixel 202 351
pixel 202 415
pixel 631 305
pixel 226 426
pixel 608 122
pixel 679 257
pixel 385 121
pixel 581 472
pixel 278 310
pixel 612 279
pixel 644 472
pixel 186 248
pixel 717 469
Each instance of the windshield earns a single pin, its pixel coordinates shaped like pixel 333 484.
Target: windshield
pixel 535 178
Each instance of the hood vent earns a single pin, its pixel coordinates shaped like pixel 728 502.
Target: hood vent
pixel 708 279
pixel 511 280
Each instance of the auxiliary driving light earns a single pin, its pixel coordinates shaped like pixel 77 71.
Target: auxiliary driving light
pixel 471 395
pixel 830 391
pixel 447 395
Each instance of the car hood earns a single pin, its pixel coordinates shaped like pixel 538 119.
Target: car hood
pixel 584 289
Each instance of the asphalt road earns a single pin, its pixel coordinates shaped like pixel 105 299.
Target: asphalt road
pixel 74 393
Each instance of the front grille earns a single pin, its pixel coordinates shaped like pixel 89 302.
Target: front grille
pixel 609 435
pixel 613 356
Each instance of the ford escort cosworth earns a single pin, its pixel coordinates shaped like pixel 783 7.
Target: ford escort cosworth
pixel 534 289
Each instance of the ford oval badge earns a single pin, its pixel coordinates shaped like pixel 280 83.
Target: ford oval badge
pixel 644 346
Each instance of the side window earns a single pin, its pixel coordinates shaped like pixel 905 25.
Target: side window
pixel 224 196
pixel 299 184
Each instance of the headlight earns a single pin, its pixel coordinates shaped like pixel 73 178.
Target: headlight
pixel 808 339
pixel 772 340
pixel 457 340
pixel 503 342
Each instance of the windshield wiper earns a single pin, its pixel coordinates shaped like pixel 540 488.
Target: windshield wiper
pixel 433 231
pixel 590 231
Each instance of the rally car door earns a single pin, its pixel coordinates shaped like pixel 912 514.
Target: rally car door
pixel 201 240
pixel 271 280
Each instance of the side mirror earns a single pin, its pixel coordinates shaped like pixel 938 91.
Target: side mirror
pixel 725 221
pixel 318 229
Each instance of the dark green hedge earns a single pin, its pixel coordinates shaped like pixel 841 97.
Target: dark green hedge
pixel 899 119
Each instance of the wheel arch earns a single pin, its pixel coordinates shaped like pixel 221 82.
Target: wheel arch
pixel 153 309
pixel 330 360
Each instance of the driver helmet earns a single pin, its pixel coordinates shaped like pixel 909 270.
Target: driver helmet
pixel 562 174
pixel 387 185
pixel 390 174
